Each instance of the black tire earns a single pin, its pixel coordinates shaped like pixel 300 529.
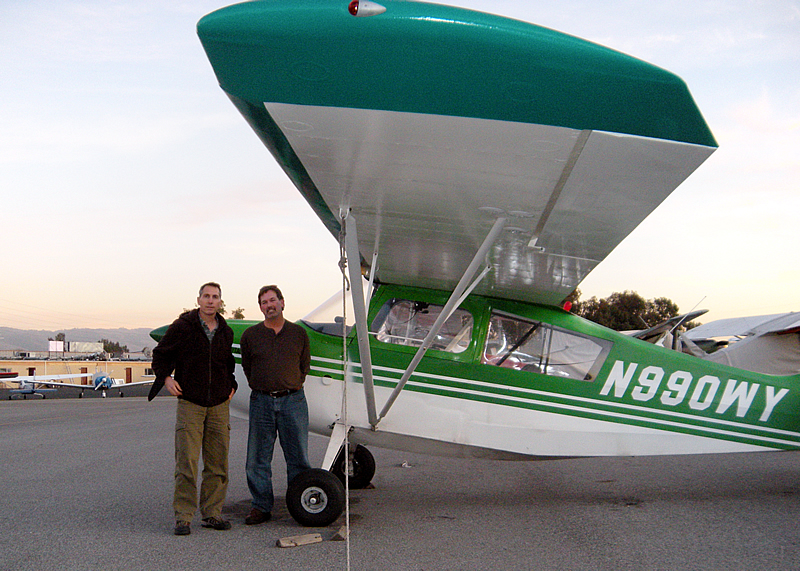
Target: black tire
pixel 363 465
pixel 315 498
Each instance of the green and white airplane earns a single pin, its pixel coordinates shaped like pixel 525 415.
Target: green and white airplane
pixel 475 169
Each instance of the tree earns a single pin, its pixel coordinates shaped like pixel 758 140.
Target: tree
pixel 624 311
pixel 113 348
pixel 660 309
pixel 237 313
pixel 59 337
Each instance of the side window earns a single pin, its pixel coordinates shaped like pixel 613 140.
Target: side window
pixel 405 322
pixel 535 346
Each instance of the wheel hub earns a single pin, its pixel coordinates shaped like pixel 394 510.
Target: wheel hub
pixel 314 499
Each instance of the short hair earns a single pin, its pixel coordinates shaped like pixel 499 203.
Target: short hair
pixel 211 284
pixel 267 288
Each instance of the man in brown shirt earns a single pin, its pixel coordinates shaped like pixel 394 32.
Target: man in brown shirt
pixel 276 359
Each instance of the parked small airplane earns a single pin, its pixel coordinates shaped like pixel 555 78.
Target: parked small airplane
pixel 475 169
pixel 763 343
pixel 33 385
pixel 664 333
pixel 38 386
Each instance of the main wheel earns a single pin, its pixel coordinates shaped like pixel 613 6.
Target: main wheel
pixel 362 466
pixel 315 498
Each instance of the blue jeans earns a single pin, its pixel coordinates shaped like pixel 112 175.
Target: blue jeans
pixel 284 417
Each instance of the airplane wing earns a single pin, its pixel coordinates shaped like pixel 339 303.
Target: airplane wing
pixel 427 122
pixel 52 380
pixel 126 385
pixel 750 325
pixel 652 334
pixel 55 381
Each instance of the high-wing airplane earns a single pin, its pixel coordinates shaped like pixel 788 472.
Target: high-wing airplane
pixel 40 385
pixel 662 333
pixel 763 343
pixel 475 169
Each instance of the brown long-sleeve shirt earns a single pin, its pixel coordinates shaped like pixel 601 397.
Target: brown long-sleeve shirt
pixel 275 362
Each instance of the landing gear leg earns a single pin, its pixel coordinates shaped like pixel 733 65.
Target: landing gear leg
pixel 334 445
pixel 362 466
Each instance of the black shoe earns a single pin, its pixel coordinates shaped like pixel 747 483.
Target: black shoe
pixel 182 528
pixel 216 523
pixel 256 516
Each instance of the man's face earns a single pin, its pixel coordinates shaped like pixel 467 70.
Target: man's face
pixel 270 305
pixel 209 301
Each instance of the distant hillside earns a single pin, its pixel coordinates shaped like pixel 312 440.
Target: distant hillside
pixel 36 340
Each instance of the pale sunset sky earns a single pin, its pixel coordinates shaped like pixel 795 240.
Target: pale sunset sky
pixel 127 178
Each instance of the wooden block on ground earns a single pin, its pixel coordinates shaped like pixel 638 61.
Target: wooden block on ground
pixel 298 540
pixel 340 535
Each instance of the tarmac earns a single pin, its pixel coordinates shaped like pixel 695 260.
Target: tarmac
pixel 87 484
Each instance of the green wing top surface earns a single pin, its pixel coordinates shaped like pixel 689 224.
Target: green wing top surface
pixel 428 121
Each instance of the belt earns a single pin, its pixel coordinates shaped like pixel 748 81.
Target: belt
pixel 278 394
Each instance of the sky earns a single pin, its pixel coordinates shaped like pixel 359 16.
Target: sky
pixel 127 178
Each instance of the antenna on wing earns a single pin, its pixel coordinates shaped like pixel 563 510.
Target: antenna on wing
pixel 689 314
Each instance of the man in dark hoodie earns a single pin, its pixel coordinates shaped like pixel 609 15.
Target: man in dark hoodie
pixel 197 349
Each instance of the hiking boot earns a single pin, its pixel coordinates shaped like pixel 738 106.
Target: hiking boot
pixel 182 528
pixel 216 523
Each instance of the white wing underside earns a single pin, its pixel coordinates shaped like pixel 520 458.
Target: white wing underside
pixel 425 189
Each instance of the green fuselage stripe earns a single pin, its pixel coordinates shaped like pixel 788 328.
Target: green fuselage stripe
pixel 533 399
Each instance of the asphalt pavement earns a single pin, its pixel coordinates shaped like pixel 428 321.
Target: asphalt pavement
pixel 87 484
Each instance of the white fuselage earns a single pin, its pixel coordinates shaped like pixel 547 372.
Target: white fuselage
pixel 449 426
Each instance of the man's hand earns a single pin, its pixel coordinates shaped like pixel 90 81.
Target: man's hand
pixel 231 396
pixel 173 387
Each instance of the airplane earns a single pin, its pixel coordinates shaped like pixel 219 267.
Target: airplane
pixel 763 343
pixel 32 385
pixel 475 169
pixel 37 386
pixel 667 332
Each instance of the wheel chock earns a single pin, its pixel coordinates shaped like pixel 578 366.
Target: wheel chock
pixel 340 535
pixel 298 540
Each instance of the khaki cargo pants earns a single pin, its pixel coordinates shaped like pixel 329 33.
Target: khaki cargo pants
pixel 207 429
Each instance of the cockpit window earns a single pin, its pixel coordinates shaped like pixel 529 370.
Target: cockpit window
pixel 406 322
pixel 541 348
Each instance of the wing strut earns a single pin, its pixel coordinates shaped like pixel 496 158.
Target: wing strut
pixel 577 149
pixel 373 269
pixel 360 310
pixel 459 293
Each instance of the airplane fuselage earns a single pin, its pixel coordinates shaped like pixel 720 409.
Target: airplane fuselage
pixel 569 388
pixel 24 392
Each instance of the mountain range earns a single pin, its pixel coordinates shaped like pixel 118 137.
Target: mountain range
pixel 37 340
